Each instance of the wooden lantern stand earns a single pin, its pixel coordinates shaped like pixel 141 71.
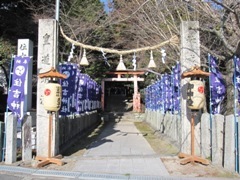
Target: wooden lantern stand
pixel 187 158
pixel 192 158
pixel 56 159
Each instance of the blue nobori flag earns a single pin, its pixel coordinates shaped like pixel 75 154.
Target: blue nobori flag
pixel 176 74
pixel 16 96
pixel 68 89
pixel 167 92
pixel 151 97
pixel 147 98
pixel 159 96
pixel 154 93
pixel 176 87
pixel 237 76
pixel 162 94
pixel 82 93
pixel 217 86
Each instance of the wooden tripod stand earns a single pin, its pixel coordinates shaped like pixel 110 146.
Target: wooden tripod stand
pixel 187 158
pixel 49 159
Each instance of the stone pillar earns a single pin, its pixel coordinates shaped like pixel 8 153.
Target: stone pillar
pixel 190 56
pixel 217 139
pixel 205 135
pixel 11 139
pixel 229 148
pixel 27 138
pixel 47 58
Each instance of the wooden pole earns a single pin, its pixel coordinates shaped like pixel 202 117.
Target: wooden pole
pixel 135 84
pixel 50 135
pixel 49 159
pixel 192 136
pixel 187 158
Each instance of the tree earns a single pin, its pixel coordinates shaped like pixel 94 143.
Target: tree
pixel 16 23
pixel 139 23
pixel 151 21
pixel 81 20
pixel 84 22
pixel 6 51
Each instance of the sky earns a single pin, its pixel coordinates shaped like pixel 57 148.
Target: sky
pixel 105 2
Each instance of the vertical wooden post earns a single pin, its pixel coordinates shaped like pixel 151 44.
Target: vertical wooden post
pixel 192 158
pixel 135 91
pixel 50 135
pixel 192 136
pixel 135 84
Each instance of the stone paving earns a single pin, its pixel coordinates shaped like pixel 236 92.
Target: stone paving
pixel 121 149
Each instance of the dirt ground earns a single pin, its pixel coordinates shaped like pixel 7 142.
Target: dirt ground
pixel 195 170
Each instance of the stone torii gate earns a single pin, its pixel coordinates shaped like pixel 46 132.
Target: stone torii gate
pixel 120 77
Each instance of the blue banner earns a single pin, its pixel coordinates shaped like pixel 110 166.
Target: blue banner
pixel 176 87
pixel 79 92
pixel 167 92
pixel 217 86
pixel 164 94
pixel 16 96
pixel 236 77
pixel 68 89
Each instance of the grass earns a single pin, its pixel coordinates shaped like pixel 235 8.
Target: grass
pixel 160 143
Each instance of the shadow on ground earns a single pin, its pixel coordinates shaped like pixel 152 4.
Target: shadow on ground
pixel 88 139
